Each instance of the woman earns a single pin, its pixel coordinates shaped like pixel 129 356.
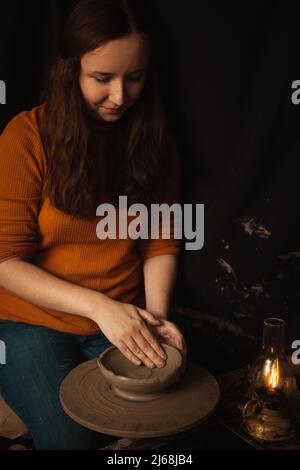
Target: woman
pixel 65 294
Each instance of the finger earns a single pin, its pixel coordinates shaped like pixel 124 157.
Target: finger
pixel 170 332
pixel 152 345
pixel 184 348
pixel 138 351
pixel 180 342
pixel 175 339
pixel 148 352
pixel 149 317
pixel 129 354
pixel 177 336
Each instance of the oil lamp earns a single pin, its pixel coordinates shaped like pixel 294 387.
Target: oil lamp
pixel 267 415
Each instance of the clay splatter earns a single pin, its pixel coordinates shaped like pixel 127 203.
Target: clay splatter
pixel 251 227
pixel 227 246
pixel 227 267
pixel 289 256
pixel 257 290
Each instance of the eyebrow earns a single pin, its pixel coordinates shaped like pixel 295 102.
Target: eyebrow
pixel 107 74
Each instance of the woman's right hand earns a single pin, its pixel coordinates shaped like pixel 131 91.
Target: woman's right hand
pixel 125 327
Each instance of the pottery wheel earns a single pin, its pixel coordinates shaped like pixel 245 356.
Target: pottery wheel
pixel 87 398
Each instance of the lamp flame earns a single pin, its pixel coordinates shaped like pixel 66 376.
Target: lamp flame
pixel 272 374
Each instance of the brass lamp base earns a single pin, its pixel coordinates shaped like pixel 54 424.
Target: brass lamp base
pixel 264 422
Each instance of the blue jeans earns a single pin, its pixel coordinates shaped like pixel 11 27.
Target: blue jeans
pixel 37 360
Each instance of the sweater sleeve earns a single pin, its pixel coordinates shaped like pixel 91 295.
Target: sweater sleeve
pixel 21 177
pixel 168 190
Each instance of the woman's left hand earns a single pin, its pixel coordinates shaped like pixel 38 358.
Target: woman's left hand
pixel 170 334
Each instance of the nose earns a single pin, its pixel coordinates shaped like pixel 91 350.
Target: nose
pixel 117 93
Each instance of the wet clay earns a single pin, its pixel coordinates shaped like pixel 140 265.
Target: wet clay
pixel 87 398
pixel 140 383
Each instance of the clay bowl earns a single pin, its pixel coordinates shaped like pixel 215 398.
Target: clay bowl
pixel 140 383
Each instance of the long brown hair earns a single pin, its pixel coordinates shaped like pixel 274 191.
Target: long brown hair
pixel 70 181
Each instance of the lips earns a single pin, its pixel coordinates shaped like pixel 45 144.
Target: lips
pixel 115 110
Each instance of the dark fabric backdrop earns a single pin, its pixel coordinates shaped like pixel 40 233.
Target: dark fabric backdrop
pixel 226 72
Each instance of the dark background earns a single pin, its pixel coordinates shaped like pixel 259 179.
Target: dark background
pixel 226 72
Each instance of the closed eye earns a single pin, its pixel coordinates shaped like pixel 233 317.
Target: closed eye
pixel 131 78
pixel 102 80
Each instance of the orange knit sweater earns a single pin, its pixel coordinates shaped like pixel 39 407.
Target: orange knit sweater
pixel 61 245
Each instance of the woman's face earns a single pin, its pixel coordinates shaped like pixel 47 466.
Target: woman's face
pixel 112 76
